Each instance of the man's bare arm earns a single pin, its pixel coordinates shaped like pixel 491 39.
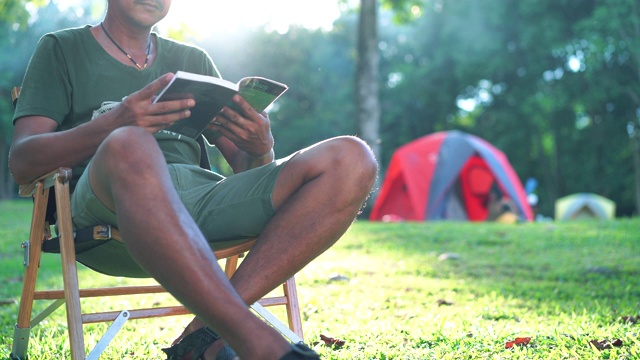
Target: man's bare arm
pixel 37 148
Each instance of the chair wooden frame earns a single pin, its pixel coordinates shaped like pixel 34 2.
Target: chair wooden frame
pixel 71 293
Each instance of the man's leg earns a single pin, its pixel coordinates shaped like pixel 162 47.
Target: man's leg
pixel 129 175
pixel 317 196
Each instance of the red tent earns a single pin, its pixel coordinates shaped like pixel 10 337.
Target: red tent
pixel 448 175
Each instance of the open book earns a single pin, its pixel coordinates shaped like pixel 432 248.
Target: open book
pixel 212 94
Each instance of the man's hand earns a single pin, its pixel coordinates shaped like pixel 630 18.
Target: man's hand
pixel 248 130
pixel 138 108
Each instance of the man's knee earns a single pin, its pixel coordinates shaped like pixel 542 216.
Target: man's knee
pixel 127 146
pixel 127 159
pixel 126 137
pixel 349 161
pixel 355 156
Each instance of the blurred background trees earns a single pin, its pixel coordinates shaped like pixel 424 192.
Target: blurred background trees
pixel 555 84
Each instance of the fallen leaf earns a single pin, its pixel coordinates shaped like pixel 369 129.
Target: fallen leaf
pixel 442 302
pixel 332 342
pixel 602 270
pixel 631 319
pixel 448 256
pixel 606 344
pixel 519 341
pixel 13 280
pixel 338 277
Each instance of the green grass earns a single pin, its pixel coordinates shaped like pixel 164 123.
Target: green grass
pixel 562 284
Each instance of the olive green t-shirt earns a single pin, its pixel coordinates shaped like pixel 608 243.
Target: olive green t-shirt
pixel 70 76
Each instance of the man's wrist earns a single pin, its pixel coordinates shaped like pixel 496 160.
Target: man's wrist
pixel 269 154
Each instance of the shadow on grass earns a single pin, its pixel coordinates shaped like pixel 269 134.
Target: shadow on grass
pixel 563 265
pixel 14 229
pixel 393 287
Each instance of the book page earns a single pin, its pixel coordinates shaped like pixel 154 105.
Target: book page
pixel 260 92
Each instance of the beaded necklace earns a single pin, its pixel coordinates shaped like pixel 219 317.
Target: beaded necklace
pixel 146 60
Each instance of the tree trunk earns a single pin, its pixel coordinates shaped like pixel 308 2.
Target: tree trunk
pixel 635 149
pixel 4 171
pixel 635 130
pixel 367 78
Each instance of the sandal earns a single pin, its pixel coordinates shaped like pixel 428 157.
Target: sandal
pixel 300 351
pixel 196 343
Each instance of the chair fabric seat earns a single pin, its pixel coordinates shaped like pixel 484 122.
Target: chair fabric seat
pixel 110 257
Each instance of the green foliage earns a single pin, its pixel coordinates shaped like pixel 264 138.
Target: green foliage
pixel 555 83
pixel 14 14
pixel 540 96
pixel 438 290
pixel 22 23
pixel 318 68
pixel 407 10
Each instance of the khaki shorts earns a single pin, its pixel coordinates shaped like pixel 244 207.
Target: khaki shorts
pixel 227 210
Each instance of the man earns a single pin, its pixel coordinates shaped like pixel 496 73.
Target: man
pixel 87 102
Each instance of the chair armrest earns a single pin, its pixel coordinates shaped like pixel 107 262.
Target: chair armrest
pixel 63 174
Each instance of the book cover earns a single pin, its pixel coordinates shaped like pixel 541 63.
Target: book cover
pixel 212 94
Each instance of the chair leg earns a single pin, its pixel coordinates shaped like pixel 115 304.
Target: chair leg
pixel 32 264
pixel 230 265
pixel 293 306
pixel 290 294
pixel 69 270
pixel 276 323
pixel 111 332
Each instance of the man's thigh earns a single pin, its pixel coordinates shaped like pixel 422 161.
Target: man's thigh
pixel 237 207
pixel 225 209
pixel 86 209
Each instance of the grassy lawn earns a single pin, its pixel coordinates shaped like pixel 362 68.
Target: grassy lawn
pixel 412 291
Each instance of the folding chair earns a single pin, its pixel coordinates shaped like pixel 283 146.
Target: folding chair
pixel 51 193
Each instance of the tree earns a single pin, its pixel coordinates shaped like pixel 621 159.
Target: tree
pixel 13 24
pixel 367 75
pixel 22 23
pixel 609 50
pixel 523 68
